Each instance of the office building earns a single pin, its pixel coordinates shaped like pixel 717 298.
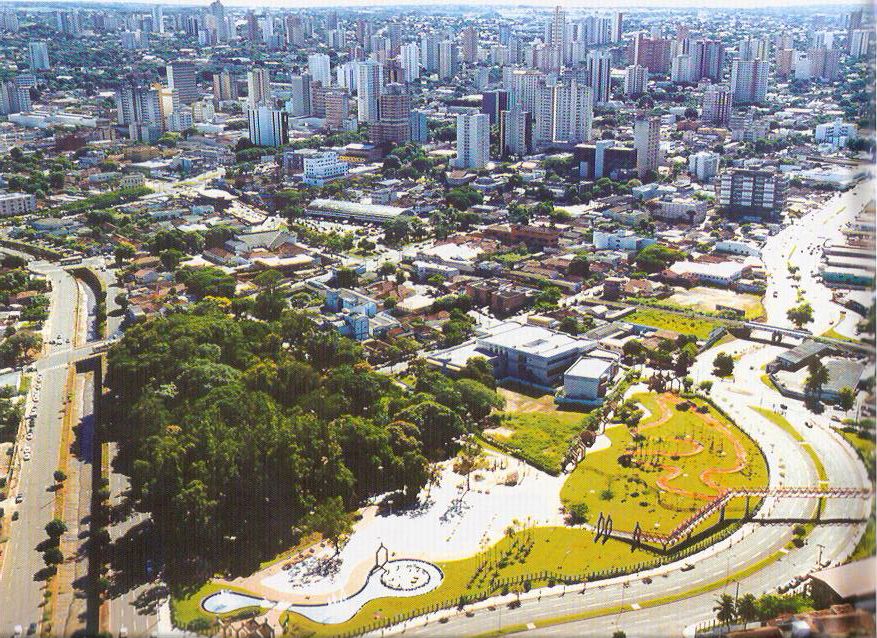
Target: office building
pixel 369 79
pixel 181 76
pixel 493 103
pixel 409 57
pixel 681 71
pixel 646 141
pixel 267 126
pixel 319 68
pixel 322 167
pixel 447 61
pixel 14 98
pixel 617 27
pixel 470 45
pixel 394 124
pixel 419 127
pixel 225 86
pixel 599 75
pixel 704 165
pixel 749 80
pixel 605 158
pixel 716 104
pixel 751 193
pixel 515 132
pixel 473 140
pixel 38 56
pixel 636 79
pixel 860 41
pixel 854 23
pixel 337 108
pixel 429 52
pixel 707 59
pixel 17 204
pixel 259 87
pixel 573 112
pixel 300 100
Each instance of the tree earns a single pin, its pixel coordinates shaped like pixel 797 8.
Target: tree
pixel 706 386
pixel 817 376
pixel 53 556
pixel 656 257
pixel 59 476
pixel 800 315
pixel 847 398
pixel 331 521
pixel 570 325
pixel 723 365
pixel 477 399
pixel 579 266
pixel 346 278
pixel 123 252
pixel 725 609
pixel 55 527
pixel 747 609
pixel 171 258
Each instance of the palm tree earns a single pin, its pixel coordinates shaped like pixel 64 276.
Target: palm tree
pixel 725 609
pixel 747 609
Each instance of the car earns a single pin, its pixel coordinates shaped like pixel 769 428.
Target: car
pixel 31 629
pixel 687 567
pixel 19 497
pixel 29 435
pixel 26 456
pixel 17 630
pixel 647 580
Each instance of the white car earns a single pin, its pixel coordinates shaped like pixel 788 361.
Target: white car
pixel 26 456
pixel 18 630
pixel 29 435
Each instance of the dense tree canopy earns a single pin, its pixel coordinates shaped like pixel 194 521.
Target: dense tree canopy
pixel 247 433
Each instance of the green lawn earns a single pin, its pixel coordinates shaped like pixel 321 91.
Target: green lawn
pixel 187 607
pixel 766 380
pixel 865 547
pixel 864 445
pixel 783 423
pixel 633 495
pixel 831 333
pixel 665 320
pixel 542 438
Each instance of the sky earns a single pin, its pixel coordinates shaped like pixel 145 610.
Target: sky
pixel 600 5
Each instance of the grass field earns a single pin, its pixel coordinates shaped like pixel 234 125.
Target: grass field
pixel 665 320
pixel 683 460
pixel 864 445
pixel 543 437
pixel 865 547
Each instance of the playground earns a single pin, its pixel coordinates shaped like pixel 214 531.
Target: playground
pixel 660 472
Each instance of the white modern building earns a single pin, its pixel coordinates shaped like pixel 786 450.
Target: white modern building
pixel 319 68
pixel 621 240
pixel 836 133
pixel 704 165
pixel 749 80
pixel 268 126
pixel 16 204
pixel 369 79
pixel 38 56
pixel 636 79
pixel 473 140
pixel 323 167
pixel 646 140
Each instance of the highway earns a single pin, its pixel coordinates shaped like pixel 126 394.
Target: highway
pixel 20 592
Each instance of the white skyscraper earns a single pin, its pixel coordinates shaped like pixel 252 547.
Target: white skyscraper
pixel 447 62
pixel 369 79
pixel 409 57
pixel 704 165
pixel 473 140
pixel 300 101
pixel 158 18
pixel 267 126
pixel 38 56
pixel 258 87
pixel 515 132
pixel 599 70
pixel 681 69
pixel 636 79
pixel 573 112
pixel 319 68
pixel 860 41
pixel 647 142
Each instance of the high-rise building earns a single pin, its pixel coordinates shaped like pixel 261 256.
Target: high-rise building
pixel 419 127
pixel 493 103
pixel 158 18
pixel 394 125
pixel 9 21
pixel 267 126
pixel 319 68
pixel 617 26
pixel 749 80
pixel 473 140
pixel 218 13
pixel 750 48
pixel 181 76
pixel 337 108
pixel 447 62
pixel 556 31
pixel 652 53
pixel 300 95
pixel 647 142
pixel 599 75
pixel 14 98
pixel 369 79
pixel 681 69
pixel 716 105
pixel 409 56
pixel 860 42
pixel 707 59
pixel 429 52
pixel 258 87
pixel 523 87
pixel 784 60
pixel 704 165
pixel 751 193
pixel 854 23
pixel 38 56
pixel 225 86
pixel 636 79
pixel 515 132
pixel 140 108
pixel 252 30
pixel 69 22
pixel 295 33
pixel 470 45
pixel 573 112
